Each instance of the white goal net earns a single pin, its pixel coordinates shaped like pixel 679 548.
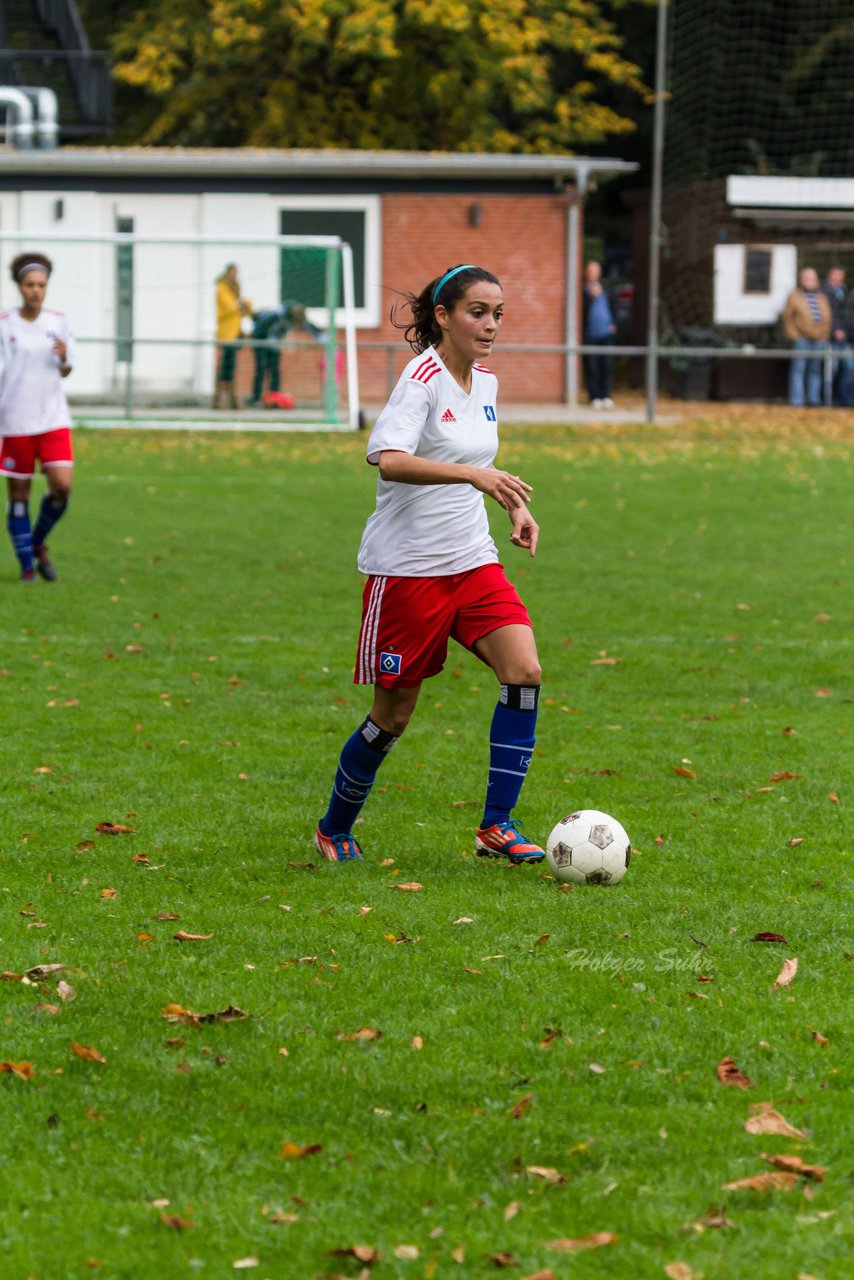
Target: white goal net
pixel 143 310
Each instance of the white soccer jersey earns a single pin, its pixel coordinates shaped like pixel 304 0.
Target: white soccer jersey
pixel 427 530
pixel 32 399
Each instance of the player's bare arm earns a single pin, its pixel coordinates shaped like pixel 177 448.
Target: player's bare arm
pixel 507 490
pixel 525 532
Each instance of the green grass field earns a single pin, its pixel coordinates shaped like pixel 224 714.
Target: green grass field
pixel 546 1065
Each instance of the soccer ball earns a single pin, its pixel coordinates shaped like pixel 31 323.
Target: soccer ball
pixel 588 847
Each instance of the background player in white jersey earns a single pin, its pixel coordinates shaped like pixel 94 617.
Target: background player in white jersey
pixel 36 353
pixel 432 566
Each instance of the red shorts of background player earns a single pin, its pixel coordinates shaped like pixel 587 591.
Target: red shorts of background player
pixel 18 454
pixel 406 622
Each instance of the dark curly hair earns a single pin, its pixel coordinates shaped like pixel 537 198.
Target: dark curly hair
pixel 423 331
pixel 29 259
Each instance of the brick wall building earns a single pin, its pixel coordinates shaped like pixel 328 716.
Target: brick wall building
pixel 408 216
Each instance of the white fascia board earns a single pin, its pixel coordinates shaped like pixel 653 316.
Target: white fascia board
pixel 790 193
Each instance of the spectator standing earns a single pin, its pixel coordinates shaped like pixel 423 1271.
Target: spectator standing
pixel 36 354
pixel 231 307
pixel 806 323
pixel 841 334
pixel 271 327
pixel 598 330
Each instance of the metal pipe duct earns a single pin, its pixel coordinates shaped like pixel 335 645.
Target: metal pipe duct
pixel 47 116
pixel 18 103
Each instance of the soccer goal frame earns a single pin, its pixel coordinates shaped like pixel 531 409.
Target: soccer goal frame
pixel 136 299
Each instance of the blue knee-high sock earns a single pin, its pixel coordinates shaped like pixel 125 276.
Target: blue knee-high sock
pixel 51 510
pixel 511 746
pixel 361 757
pixel 18 524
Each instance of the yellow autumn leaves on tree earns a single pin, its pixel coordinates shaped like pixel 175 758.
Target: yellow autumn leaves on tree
pixel 510 75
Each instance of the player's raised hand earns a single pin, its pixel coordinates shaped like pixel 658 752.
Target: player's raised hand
pixel 507 490
pixel 525 532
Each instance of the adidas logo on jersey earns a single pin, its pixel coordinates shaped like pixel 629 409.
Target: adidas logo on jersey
pixel 447 416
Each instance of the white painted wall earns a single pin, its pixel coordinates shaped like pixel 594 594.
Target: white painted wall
pixel 732 304
pixel 174 285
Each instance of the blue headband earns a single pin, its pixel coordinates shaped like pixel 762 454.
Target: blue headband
pixel 447 276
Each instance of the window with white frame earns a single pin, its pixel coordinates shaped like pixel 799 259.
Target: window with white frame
pixel 355 219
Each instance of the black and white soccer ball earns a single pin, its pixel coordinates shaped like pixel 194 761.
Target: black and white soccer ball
pixel 588 847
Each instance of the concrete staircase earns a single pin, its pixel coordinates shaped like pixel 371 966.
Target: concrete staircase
pixel 32 54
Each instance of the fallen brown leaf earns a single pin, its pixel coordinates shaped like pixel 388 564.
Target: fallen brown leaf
pixel 47 1008
pixel 174 1013
pixel 605 662
pixel 83 845
pixel 784 776
pixel 365 1253
pixel 552 1176
pixel 86 1052
pixel 364 1033
pixel 818 1037
pixel 114 829
pixel 411 886
pixel 684 773
pixel 795 841
pixel 569 1245
pixel 65 991
pixel 681 1271
pixel 543 1274
pixel 763 1182
pixel 142 858
pixel 768 937
pixel 833 797
pixel 503 1259
pixel 510 1210
pixel 23 1070
pixel 109 893
pixel 767 1120
pixel 166 915
pixel 786 974
pixel 794 1164
pixel 293 1151
pixel 39 972
pixel 522 1106
pixel 728 1073
pixel 181 936
pixel 714 1220
pixel 176 1223
pixel 304 866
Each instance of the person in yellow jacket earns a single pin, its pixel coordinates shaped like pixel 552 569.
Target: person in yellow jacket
pixel 231 307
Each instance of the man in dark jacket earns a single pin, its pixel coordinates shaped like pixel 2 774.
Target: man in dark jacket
pixel 271 326
pixel 841 335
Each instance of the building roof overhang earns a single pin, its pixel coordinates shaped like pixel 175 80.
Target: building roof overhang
pixel 235 164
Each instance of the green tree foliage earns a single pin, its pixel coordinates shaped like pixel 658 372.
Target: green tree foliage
pixel 507 75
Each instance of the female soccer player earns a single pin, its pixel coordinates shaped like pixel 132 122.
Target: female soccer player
pixel 433 569
pixel 36 353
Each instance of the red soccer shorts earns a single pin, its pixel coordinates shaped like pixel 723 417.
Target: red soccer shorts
pixel 18 454
pixel 406 622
